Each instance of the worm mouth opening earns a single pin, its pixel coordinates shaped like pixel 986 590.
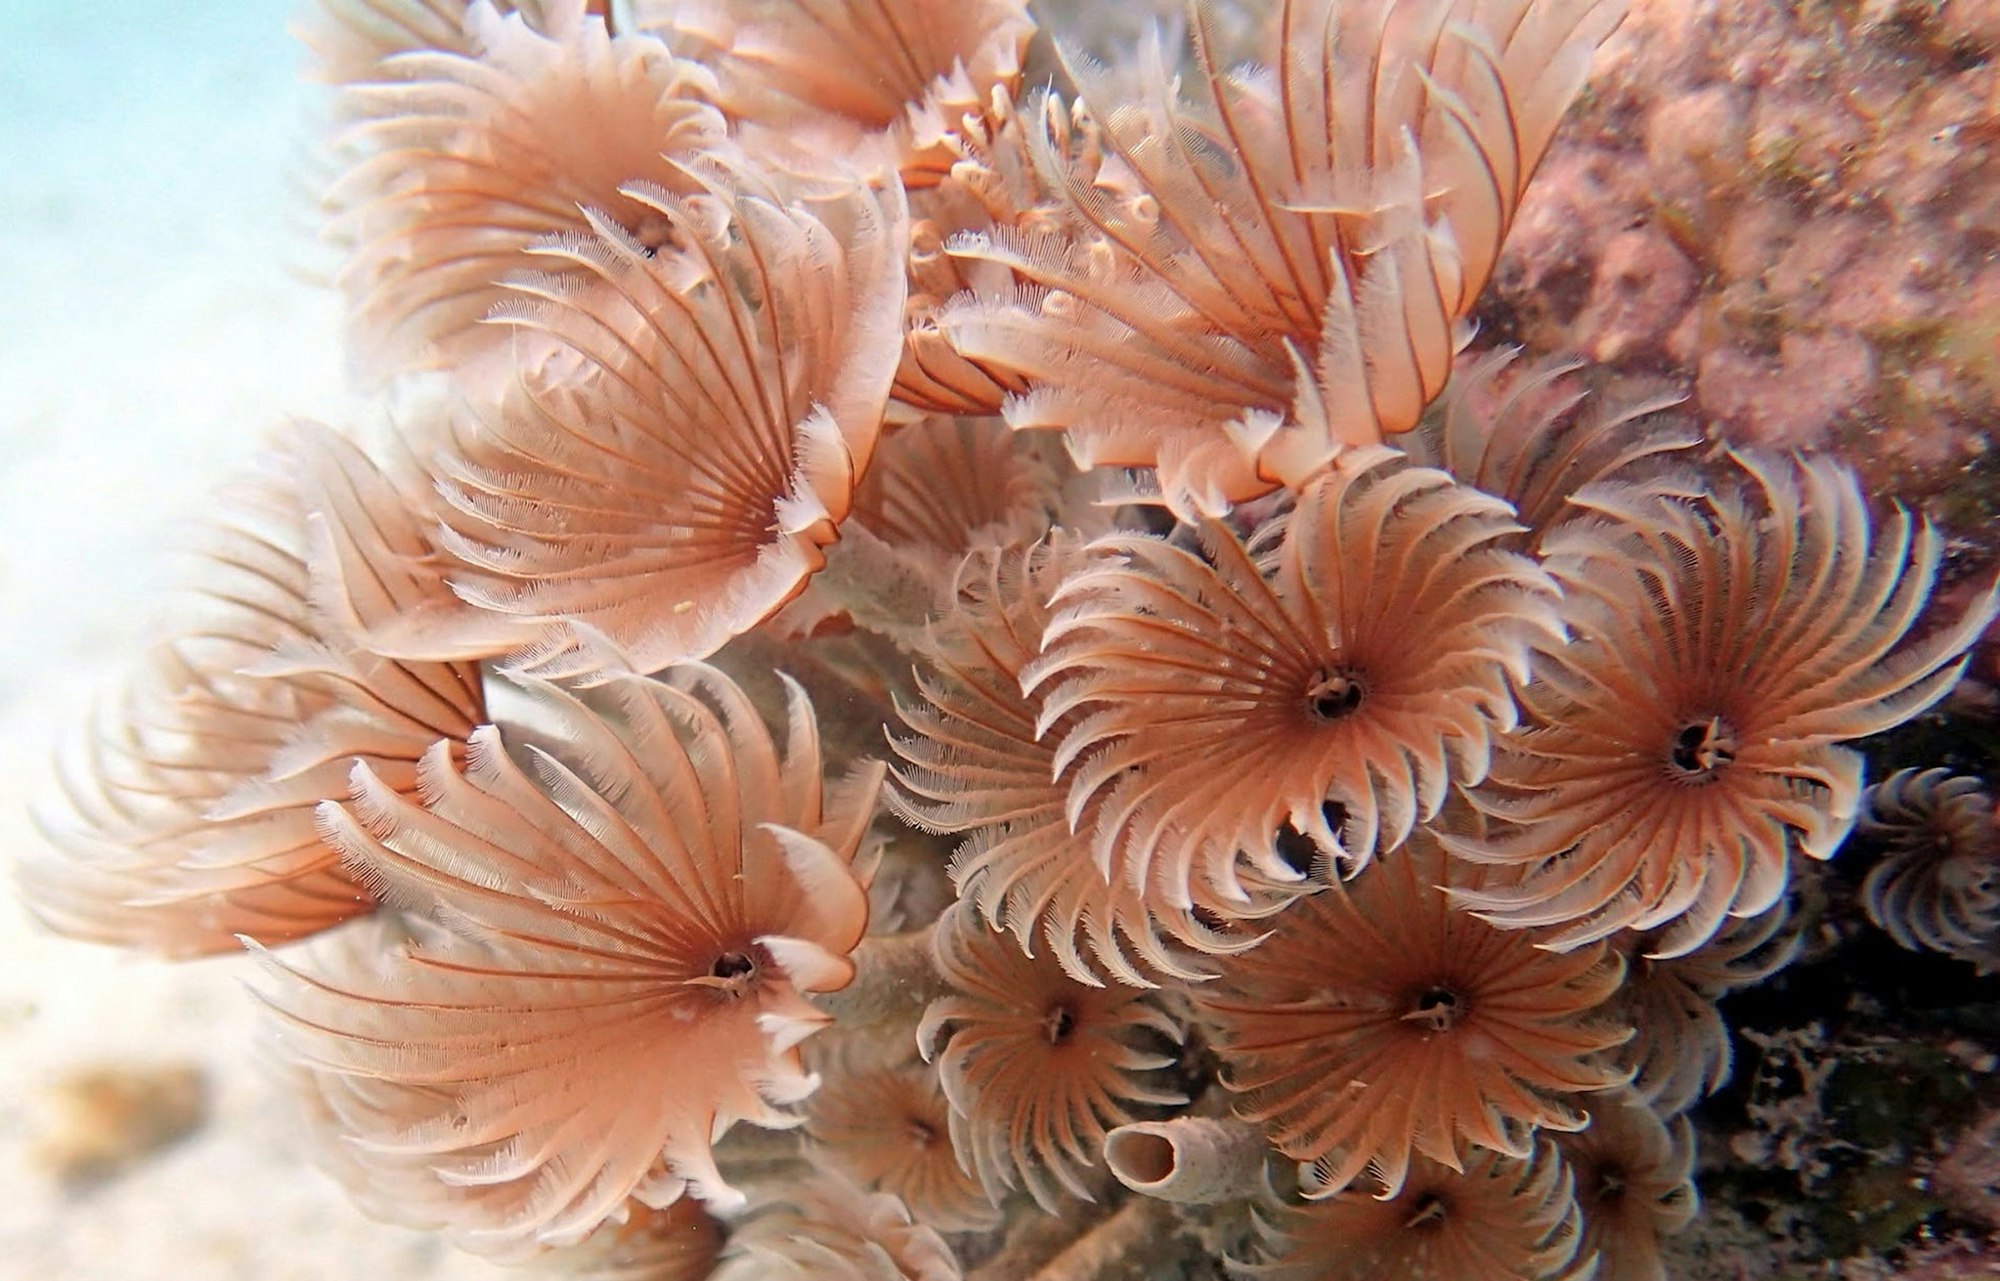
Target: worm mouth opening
pixel 1058 1023
pixel 1438 1008
pixel 1429 1211
pixel 1702 750
pixel 731 966
pixel 1335 695
pixel 1610 1187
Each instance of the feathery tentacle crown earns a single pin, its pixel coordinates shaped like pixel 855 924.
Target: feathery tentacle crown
pixel 1680 1053
pixel 670 477
pixel 189 821
pixel 1529 432
pixel 631 921
pixel 350 39
pixel 1634 1180
pixel 1245 284
pixel 938 490
pixel 1725 635
pixel 883 1120
pixel 902 69
pixel 679 1243
pixel 1037 1067
pixel 1218 698
pixel 1935 884
pixel 347 40
pixel 992 184
pixel 468 156
pixel 1379 1024
pixel 1499 1219
pixel 976 763
pixel 817 1226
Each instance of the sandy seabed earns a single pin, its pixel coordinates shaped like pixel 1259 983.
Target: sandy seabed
pixel 159 317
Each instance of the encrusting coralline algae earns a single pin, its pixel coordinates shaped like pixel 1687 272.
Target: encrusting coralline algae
pixel 969 663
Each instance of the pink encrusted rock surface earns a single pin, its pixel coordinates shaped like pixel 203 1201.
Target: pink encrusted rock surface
pixel 1790 397
pixel 1641 290
pixel 1792 212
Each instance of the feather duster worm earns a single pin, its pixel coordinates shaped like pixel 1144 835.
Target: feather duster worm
pixel 904 69
pixel 1499 1219
pixel 975 764
pixel 1634 1184
pixel 939 488
pixel 349 40
pixel 1215 700
pixel 466 159
pixel 672 475
pixel 679 1243
pixel 817 1226
pixel 1379 1025
pixel 1680 1053
pixel 1936 882
pixel 191 820
pixel 1725 636
pixel 1038 1067
pixel 943 487
pixel 1528 432
pixel 1246 284
pixel 883 1121
pixel 993 184
pixel 634 922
